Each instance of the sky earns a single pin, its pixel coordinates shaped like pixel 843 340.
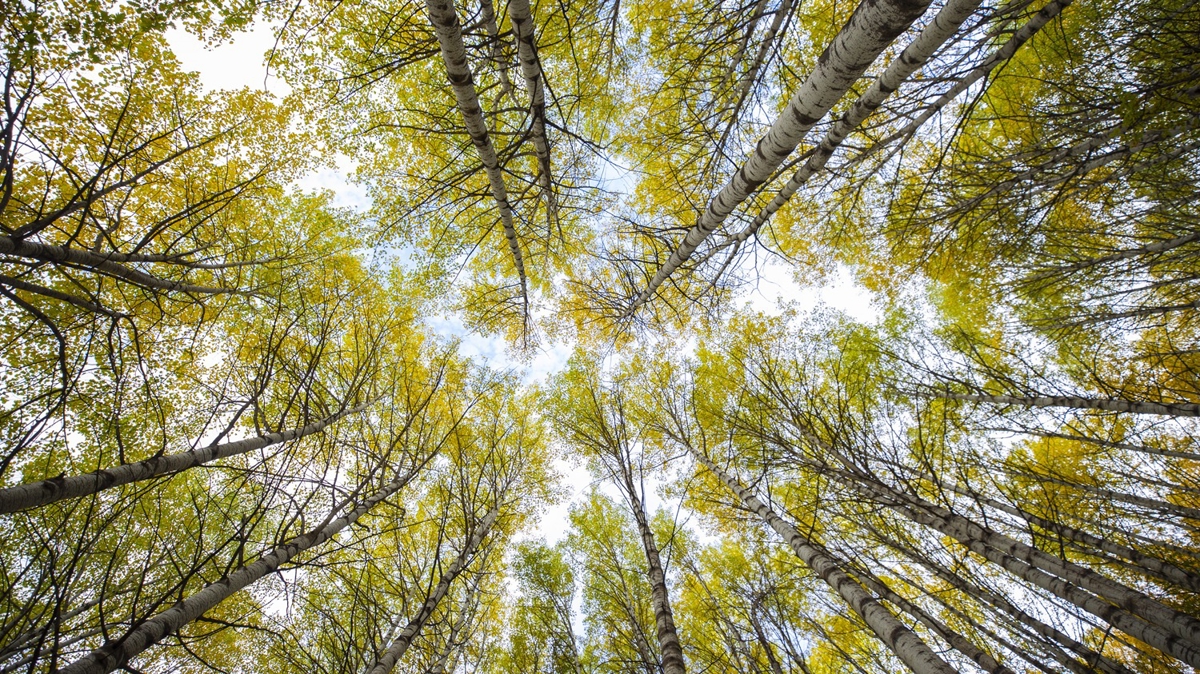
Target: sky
pixel 242 63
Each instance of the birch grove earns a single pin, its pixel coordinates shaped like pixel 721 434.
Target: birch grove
pixel 753 337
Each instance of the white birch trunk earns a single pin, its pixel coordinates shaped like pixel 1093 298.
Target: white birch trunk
pixel 870 30
pixel 1149 249
pixel 743 91
pixel 1002 54
pixel 915 55
pixel 664 620
pixel 43 492
pixel 454 55
pixel 1165 628
pixel 116 654
pixel 521 16
pixel 1147 564
pixel 1081 403
pixel 907 646
pixel 398 647
pixel 488 14
pixel 960 643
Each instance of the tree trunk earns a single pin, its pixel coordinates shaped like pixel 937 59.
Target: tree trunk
pixel 907 646
pixel 521 17
pixel 106 264
pixel 43 492
pixel 488 14
pixel 942 28
pixel 1164 628
pixel 664 620
pixel 1081 403
pixel 398 647
pixel 1002 54
pixel 116 654
pixel 870 30
pixel 1146 564
pixel 454 55
pixel 960 643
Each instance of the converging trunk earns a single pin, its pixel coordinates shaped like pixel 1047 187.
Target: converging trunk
pixel 398 647
pixel 56 489
pixel 870 30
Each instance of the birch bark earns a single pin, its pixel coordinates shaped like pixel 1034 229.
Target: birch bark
pixel 907 646
pixel 870 30
pixel 43 492
pixel 943 27
pixel 398 647
pixel 454 55
pixel 116 654
pixel 521 16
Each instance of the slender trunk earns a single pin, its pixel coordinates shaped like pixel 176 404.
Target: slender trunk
pixel 1050 640
pixel 398 647
pixel 454 55
pixel 116 654
pixel 43 492
pixel 1148 249
pixel 488 14
pixel 1148 503
pixel 1141 312
pixel 1144 563
pixel 1002 54
pixel 521 16
pixel 664 619
pixel 104 264
pixel 1031 623
pixel 870 30
pixel 907 646
pixel 942 28
pixel 1164 628
pixel 960 643
pixel 735 61
pixel 782 14
pixel 1143 449
pixel 1081 403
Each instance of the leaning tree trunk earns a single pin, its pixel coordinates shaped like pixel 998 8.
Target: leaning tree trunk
pixel 531 69
pixel 1081 403
pixel 1142 449
pixel 398 647
pixel 942 28
pixel 870 30
pixel 782 14
pixel 1166 629
pixel 104 263
pixel 1001 55
pixel 488 14
pixel 454 55
pixel 960 643
pixel 1146 564
pixel 43 492
pixel 907 646
pixel 115 655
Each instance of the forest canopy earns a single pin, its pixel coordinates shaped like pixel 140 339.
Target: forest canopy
pixel 237 436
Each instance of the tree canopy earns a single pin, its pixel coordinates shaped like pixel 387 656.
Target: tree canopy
pixel 236 433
